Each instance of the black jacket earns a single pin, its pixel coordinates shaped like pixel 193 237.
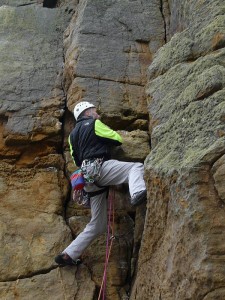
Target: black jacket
pixel 92 139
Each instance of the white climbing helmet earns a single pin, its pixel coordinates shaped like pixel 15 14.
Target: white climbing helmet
pixel 80 107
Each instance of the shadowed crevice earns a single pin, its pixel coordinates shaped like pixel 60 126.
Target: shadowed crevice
pixel 50 3
pixel 30 275
pixel 164 21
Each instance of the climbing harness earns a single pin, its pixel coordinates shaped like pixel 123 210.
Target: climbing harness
pixel 91 169
pixel 86 175
pixel 109 242
pixel 81 197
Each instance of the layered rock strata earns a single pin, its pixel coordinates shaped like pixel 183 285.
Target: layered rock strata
pixel 33 186
pixel 103 58
pixel 107 54
pixel 182 251
pixel 35 90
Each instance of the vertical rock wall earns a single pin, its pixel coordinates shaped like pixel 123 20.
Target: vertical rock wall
pixel 106 58
pixel 108 47
pixel 33 186
pixel 182 251
pixel 100 51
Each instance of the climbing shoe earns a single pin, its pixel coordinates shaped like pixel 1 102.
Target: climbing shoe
pixel 138 198
pixel 64 259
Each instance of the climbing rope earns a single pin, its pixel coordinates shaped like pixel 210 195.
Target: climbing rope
pixel 109 241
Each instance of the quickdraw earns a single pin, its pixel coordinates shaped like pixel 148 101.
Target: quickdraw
pixel 91 169
pixel 81 197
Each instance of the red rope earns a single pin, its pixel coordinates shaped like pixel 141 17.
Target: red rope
pixel 109 242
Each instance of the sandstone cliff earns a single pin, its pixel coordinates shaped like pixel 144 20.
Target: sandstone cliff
pixel 182 252
pixel 155 69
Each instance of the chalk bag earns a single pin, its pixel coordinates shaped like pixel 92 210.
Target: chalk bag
pixel 77 180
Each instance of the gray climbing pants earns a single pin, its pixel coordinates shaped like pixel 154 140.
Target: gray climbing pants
pixel 113 172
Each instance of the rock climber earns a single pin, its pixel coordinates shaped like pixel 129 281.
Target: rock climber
pixel 89 141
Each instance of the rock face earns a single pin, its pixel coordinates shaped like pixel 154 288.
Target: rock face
pixel 33 186
pixel 182 251
pixel 155 69
pixel 38 219
pixel 112 74
pixel 63 283
pixel 107 53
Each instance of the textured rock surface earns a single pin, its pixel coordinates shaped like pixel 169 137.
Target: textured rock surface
pixel 30 220
pixel 182 251
pixel 107 54
pixel 33 186
pixel 103 56
pixel 30 89
pixel 61 283
pixel 35 226
pixel 112 74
